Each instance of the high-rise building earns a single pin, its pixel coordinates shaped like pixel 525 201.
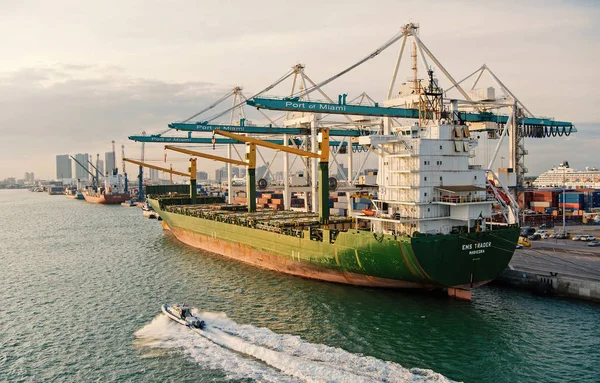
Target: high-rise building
pixel 100 167
pixel 63 166
pixel 153 175
pixel 221 174
pixel 29 178
pixel 82 166
pixel 202 176
pixel 109 161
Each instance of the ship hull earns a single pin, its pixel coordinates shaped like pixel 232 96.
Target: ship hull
pixel 356 257
pixel 106 199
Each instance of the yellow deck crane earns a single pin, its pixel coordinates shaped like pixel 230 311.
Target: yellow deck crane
pixel 192 174
pixel 322 154
pixel 250 163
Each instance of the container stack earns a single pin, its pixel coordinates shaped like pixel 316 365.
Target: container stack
pixel 271 200
pixel 240 198
pixel 572 201
pixel 338 204
pixel 540 200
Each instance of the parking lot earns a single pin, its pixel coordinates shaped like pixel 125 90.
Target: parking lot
pixel 563 256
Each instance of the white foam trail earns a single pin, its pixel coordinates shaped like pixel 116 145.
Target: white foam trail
pixel 291 358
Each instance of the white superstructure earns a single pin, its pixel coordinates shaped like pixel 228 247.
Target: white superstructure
pixel 567 177
pixel 425 181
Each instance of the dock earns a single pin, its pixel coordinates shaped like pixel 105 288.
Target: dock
pixel 556 267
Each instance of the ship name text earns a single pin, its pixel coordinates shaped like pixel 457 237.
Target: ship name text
pixel 476 248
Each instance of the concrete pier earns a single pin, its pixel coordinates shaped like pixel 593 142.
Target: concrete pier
pixel 556 267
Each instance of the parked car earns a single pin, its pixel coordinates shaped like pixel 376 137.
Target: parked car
pixel 543 234
pixel 588 238
pixel 576 238
pixel 534 237
pixel 525 231
pixel 545 226
pixel 594 243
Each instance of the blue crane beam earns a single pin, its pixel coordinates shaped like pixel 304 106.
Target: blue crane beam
pixel 287 104
pixel 207 140
pixel 205 127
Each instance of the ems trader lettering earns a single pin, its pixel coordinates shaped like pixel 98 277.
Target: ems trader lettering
pixel 478 245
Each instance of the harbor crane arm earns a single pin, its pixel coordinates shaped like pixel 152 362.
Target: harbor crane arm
pixel 293 104
pixel 205 127
pixel 322 155
pixel 191 174
pixel 84 167
pixel 220 141
pixel 250 171
pixel 207 156
pixel 95 168
pixel 171 171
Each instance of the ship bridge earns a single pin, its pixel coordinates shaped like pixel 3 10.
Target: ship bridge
pixel 462 194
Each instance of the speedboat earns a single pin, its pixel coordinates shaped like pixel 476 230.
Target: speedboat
pixel 182 314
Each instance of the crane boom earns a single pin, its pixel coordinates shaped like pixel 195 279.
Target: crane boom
pixel 204 127
pixel 250 169
pixel 287 149
pixel 158 168
pixel 293 104
pixel 84 167
pixel 220 141
pixel 322 155
pixel 207 156
pixel 92 165
pixel 191 174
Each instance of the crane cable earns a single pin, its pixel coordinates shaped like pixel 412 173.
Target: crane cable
pixel 386 45
pixel 210 106
pixel 305 92
pixel 273 85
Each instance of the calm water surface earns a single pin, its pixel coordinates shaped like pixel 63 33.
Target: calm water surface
pixel 82 285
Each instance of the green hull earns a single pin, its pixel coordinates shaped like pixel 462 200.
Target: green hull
pixel 357 256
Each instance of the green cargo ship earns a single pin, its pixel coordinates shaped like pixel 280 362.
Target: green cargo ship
pixel 431 225
pixel 353 256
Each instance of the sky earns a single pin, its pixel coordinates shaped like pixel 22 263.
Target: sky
pixel 75 75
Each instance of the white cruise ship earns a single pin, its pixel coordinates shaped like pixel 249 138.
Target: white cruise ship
pixel 564 176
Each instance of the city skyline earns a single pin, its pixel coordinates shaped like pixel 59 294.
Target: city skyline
pixel 85 98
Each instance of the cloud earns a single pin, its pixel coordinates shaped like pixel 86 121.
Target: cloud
pixel 47 111
pixel 69 85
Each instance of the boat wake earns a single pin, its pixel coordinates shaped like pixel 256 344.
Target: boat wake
pixel 248 352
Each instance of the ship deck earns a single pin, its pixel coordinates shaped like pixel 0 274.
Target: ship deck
pixel 279 221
